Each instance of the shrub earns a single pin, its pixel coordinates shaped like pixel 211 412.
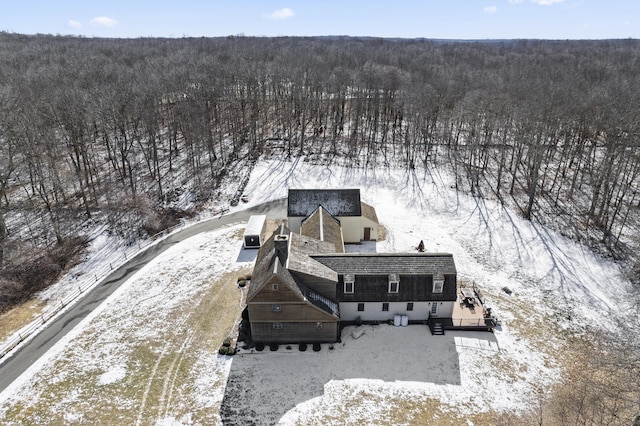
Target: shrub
pixel 224 350
pixel 231 351
pixel 316 347
pixel 226 342
pixel 242 283
pixel 302 347
pixel 273 347
pixel 259 347
pixel 26 270
pixel 245 315
pixel 247 277
pixel 288 347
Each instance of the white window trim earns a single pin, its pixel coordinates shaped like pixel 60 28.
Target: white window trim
pixel 347 282
pixel 318 326
pixel 397 283
pixel 434 308
pixel 275 286
pixel 438 286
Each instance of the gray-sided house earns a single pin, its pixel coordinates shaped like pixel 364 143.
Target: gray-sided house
pixel 357 219
pixel 305 286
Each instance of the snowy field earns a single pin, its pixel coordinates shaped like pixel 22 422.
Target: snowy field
pixel 388 373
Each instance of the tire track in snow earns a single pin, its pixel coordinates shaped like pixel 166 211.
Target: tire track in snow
pixel 147 389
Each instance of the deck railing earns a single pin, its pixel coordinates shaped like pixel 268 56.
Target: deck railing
pixel 469 322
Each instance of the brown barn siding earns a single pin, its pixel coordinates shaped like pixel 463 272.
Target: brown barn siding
pixel 288 312
pixel 294 332
pixel 282 294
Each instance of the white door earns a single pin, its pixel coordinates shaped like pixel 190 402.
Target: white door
pixel 434 309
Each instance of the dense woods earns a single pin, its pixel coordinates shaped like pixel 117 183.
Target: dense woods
pixel 117 130
pixel 113 134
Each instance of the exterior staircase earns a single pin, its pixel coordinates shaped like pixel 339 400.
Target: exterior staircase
pixel 435 326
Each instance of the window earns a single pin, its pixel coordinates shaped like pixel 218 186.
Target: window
pixel 385 306
pixel 318 326
pixel 348 287
pixel 277 326
pixel 360 307
pixel 437 286
pixel 410 306
pixel 275 307
pixel 349 279
pixel 434 308
pixel 394 280
pixel 275 287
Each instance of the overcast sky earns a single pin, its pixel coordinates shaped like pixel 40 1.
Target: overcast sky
pixel 443 19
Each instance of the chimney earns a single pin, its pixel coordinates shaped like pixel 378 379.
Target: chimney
pixel 281 245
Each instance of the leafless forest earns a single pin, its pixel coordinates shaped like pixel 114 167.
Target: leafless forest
pixel 114 131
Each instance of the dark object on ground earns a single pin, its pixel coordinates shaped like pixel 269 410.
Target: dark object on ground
pixel 507 290
pixel 316 347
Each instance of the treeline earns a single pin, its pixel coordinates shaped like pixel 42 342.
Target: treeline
pixel 108 125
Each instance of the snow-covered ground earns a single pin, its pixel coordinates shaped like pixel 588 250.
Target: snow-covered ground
pixel 558 286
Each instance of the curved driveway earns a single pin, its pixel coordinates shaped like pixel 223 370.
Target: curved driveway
pixel 26 355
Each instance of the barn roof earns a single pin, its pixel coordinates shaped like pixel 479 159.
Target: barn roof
pixel 338 202
pixel 269 265
pixel 321 225
pixel 369 212
pixel 388 263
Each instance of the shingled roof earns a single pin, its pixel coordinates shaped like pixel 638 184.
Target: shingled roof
pixel 266 267
pixel 269 264
pixel 369 212
pixel 389 263
pixel 338 202
pixel 320 225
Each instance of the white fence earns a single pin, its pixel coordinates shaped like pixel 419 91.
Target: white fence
pixel 88 282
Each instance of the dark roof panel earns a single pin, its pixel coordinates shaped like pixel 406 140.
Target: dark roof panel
pixel 389 263
pixel 338 202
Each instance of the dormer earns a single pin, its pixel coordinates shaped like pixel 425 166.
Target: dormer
pixel 438 283
pixel 394 283
pixel 349 283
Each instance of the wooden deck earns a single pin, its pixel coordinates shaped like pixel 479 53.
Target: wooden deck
pixel 468 317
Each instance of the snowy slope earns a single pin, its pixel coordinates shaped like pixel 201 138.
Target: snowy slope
pixel 556 283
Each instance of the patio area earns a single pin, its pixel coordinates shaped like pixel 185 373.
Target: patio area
pixel 468 311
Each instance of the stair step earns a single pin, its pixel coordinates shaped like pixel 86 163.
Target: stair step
pixel 436 329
